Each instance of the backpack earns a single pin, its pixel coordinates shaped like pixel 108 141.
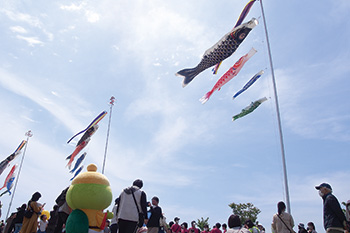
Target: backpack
pixel 28 213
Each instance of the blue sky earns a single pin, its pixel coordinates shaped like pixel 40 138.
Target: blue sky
pixel 61 61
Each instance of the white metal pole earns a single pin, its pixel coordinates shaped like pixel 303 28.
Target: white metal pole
pixel 278 113
pixel 28 134
pixel 109 125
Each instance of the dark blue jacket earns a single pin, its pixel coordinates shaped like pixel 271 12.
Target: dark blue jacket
pixel 333 215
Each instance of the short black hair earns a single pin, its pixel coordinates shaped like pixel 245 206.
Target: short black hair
pixel 249 223
pixel 138 183
pixel 234 221
pixel 156 199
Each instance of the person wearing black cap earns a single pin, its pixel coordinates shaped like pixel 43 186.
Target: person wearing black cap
pixel 176 228
pixel 132 201
pixel 333 216
pixel 301 228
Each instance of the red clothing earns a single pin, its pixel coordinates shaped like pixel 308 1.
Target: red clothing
pixel 176 228
pixel 184 231
pixel 216 230
pixel 195 230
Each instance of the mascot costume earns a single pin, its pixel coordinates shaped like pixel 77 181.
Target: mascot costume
pixel 88 195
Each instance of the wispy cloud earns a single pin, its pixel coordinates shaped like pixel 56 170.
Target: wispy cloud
pixel 91 16
pixel 21 17
pixel 32 21
pixel 299 101
pixel 73 7
pixel 32 41
pixel 18 29
pixel 23 88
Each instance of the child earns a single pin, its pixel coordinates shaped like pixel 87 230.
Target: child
pixel 42 224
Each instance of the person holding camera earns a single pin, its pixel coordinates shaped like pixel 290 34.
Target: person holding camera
pixel 153 223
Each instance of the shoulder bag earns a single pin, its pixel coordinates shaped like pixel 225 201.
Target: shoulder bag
pixel 292 231
pixel 141 215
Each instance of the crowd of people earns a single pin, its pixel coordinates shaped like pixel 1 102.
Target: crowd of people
pixel 133 214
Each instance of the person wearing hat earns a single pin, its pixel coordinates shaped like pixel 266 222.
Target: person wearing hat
pixel 301 228
pixel 176 228
pixel 132 201
pixel 333 217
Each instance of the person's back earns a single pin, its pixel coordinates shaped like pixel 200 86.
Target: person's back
pixel 127 209
pixel 282 222
pixel 132 201
pixel 235 226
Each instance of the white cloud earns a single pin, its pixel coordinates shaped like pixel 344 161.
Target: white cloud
pixel 73 7
pixel 23 88
pixel 18 29
pixel 21 17
pixel 92 17
pixel 32 21
pixel 297 97
pixel 32 41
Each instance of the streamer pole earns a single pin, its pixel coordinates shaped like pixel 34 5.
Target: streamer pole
pixel 28 134
pixel 278 113
pixel 109 126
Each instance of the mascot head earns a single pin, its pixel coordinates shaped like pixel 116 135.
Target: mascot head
pixel 89 190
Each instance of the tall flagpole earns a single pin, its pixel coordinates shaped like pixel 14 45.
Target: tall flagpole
pixel 28 134
pixel 109 126
pixel 278 113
